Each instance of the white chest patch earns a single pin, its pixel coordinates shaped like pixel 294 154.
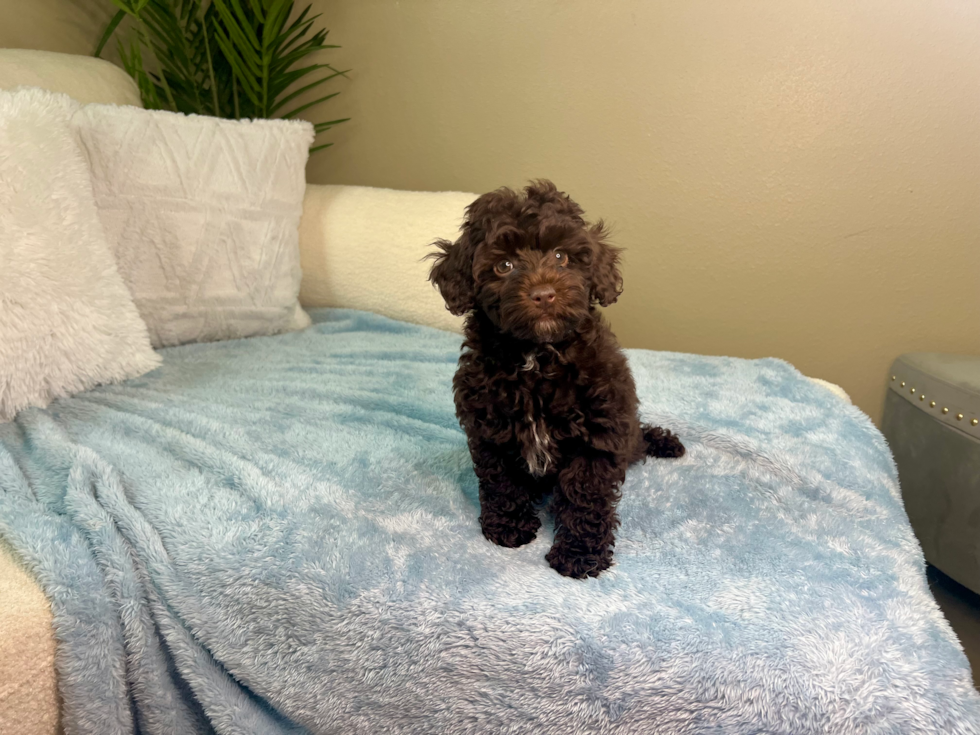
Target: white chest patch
pixel 539 451
pixel 539 455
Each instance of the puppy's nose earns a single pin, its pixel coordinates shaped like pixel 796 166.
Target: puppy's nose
pixel 543 294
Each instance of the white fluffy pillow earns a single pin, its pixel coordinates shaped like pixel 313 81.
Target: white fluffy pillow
pixel 203 216
pixel 67 321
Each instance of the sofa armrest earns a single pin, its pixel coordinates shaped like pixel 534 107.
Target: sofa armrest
pixel 364 248
pixel 28 683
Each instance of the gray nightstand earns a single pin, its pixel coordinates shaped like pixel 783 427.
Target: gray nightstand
pixel 932 423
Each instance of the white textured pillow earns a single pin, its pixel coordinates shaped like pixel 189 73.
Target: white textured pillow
pixel 203 217
pixel 67 321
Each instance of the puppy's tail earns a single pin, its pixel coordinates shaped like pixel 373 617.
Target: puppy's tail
pixel 661 443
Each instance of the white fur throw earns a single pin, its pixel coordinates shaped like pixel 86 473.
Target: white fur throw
pixel 67 322
pixel 203 216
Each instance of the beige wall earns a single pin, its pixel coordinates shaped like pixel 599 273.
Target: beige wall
pixel 68 26
pixel 792 178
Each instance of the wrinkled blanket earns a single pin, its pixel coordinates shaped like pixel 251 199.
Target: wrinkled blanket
pixel 280 535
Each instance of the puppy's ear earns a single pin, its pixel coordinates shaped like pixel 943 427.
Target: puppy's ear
pixel 607 282
pixel 452 273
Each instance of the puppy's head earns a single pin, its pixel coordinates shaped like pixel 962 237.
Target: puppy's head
pixel 529 261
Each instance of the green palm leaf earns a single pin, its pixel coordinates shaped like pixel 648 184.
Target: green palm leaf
pixel 227 58
pixel 109 30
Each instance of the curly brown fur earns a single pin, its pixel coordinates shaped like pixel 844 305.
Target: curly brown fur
pixel 543 391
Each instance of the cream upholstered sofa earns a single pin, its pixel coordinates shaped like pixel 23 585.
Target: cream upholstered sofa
pixel 361 248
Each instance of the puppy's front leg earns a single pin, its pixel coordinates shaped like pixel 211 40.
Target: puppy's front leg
pixel 507 514
pixel 585 516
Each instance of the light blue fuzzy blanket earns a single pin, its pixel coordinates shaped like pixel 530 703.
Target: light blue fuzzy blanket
pixel 280 535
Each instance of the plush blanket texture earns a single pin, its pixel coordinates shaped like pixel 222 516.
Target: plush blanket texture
pixel 280 535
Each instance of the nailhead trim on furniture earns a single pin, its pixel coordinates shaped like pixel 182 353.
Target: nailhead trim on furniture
pixel 970 425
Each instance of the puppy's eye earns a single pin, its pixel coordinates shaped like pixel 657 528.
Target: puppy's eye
pixel 503 267
pixel 561 259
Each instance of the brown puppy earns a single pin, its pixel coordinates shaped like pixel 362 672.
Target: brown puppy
pixel 543 390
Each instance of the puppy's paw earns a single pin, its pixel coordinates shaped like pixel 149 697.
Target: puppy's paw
pixel 662 443
pixel 509 532
pixel 578 565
